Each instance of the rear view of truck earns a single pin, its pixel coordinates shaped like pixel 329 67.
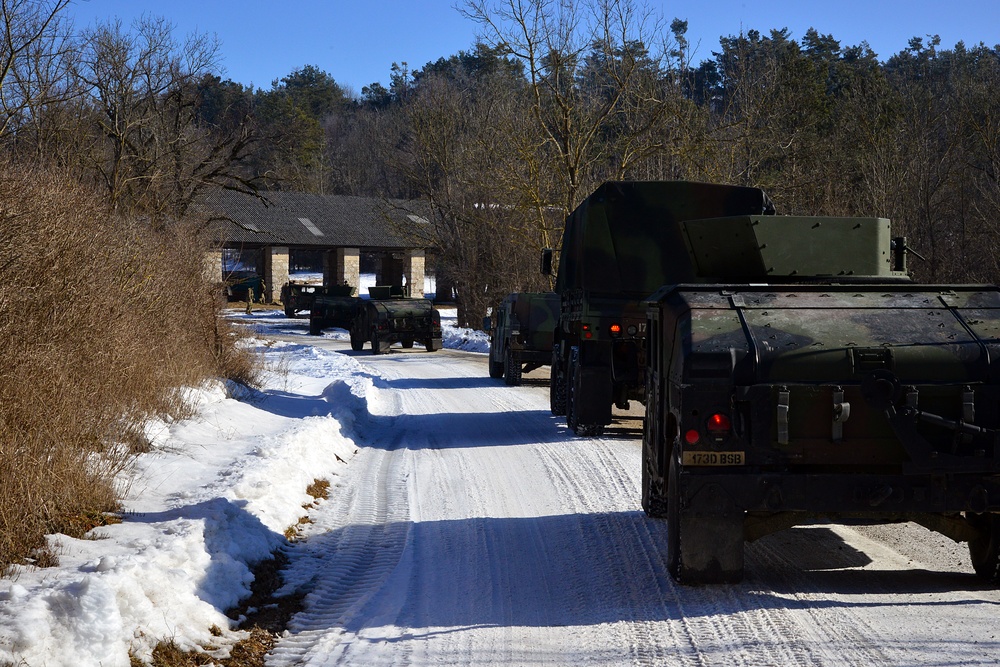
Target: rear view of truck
pixel 385 319
pixel 619 246
pixel 521 333
pixel 807 379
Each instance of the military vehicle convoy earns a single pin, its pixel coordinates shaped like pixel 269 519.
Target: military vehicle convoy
pixel 619 246
pixel 385 319
pixel 796 374
pixel 521 335
pixel 332 306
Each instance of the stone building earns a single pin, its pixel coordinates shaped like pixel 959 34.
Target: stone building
pixel 267 230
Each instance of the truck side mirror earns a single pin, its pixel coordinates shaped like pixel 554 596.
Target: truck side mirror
pixel 487 325
pixel 546 265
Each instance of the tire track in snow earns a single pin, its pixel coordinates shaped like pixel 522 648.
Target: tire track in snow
pixel 349 558
pixel 502 507
pixel 701 625
pixel 565 568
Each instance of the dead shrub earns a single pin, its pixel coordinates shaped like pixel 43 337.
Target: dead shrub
pixel 102 319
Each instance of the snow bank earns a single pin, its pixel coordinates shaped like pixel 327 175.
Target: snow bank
pixel 211 499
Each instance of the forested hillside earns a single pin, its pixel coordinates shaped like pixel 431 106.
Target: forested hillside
pixel 505 138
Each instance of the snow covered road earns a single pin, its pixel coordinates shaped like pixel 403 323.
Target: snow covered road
pixel 472 529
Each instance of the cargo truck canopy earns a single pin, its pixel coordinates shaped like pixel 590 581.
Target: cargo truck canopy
pixel 626 237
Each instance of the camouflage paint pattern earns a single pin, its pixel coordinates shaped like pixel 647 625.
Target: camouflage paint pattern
pixel 619 246
pixel 937 340
pixel 533 316
pixel 873 401
pixel 521 334
pixel 397 320
pixel 297 296
pixel 333 306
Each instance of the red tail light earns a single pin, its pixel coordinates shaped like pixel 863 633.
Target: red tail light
pixel 616 329
pixel 718 424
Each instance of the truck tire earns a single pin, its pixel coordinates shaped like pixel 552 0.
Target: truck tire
pixel 557 385
pixel 511 369
pixel 376 344
pixel 985 549
pixel 654 500
pixel 314 327
pixel 432 344
pixel 289 312
pixel 496 367
pixel 357 342
pixel 701 549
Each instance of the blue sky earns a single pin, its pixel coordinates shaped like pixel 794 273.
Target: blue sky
pixel 356 41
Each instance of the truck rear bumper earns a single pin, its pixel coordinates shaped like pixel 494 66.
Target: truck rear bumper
pixel 717 492
pixel 533 356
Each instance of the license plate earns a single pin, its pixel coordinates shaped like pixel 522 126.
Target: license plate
pixel 713 458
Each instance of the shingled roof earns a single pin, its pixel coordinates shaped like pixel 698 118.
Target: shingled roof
pixel 296 219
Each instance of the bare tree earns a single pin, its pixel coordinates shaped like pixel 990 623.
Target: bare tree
pixel 156 152
pixel 33 50
pixel 451 160
pixel 588 71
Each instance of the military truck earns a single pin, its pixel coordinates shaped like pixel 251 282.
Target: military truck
pixel 298 296
pixel 521 337
pixel 803 377
pixel 333 306
pixel 386 318
pixel 619 246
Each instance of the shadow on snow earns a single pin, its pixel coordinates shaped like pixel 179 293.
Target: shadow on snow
pixel 590 569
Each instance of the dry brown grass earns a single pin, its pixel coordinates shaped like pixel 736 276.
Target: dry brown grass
pixel 101 320
pixel 248 652
pixel 319 489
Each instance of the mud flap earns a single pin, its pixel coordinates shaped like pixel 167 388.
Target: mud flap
pixel 711 549
pixel 710 534
pixel 594 398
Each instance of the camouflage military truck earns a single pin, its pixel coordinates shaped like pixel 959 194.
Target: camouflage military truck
pixel 521 337
pixel 804 377
pixel 333 306
pixel 296 297
pixel 619 246
pixel 385 319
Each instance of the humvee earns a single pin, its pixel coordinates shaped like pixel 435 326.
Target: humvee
pixel 298 296
pixel 385 319
pixel 333 306
pixel 801 376
pixel 521 335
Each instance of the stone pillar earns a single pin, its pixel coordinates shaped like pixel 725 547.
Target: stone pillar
pixel 275 272
pixel 413 271
pixel 213 266
pixel 343 265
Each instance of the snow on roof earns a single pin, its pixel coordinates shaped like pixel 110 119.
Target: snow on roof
pixel 301 219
